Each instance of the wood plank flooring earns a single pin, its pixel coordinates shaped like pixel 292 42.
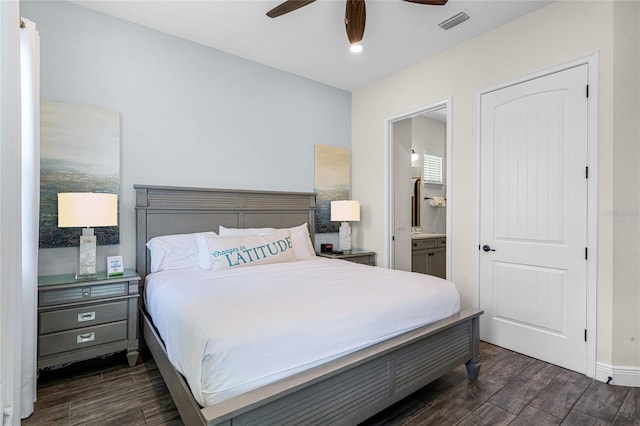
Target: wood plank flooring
pixel 512 389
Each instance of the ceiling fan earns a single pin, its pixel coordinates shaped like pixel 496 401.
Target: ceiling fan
pixel 354 17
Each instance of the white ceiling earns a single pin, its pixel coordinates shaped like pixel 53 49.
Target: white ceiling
pixel 311 41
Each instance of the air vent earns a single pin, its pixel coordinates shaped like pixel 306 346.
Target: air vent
pixel 453 21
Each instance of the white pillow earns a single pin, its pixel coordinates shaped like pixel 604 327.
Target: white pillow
pixel 237 251
pixel 179 251
pixel 301 240
pixel 302 246
pixel 204 260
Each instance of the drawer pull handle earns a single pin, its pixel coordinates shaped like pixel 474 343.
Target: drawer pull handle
pixel 83 338
pixel 87 316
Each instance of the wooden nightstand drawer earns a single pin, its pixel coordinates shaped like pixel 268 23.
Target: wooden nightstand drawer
pixel 363 257
pixel 80 319
pixel 364 260
pixel 85 316
pixel 79 338
pixel 82 293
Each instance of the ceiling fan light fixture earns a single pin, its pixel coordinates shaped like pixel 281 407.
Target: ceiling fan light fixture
pixel 355 16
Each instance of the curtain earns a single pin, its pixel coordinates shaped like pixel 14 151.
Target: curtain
pixel 10 219
pixel 19 210
pixel 30 121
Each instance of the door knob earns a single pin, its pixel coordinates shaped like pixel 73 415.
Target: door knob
pixel 487 248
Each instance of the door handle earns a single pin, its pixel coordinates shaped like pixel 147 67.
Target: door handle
pixel 487 248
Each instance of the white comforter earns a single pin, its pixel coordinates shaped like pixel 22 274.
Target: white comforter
pixel 232 331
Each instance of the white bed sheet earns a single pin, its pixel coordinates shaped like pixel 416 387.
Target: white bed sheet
pixel 232 331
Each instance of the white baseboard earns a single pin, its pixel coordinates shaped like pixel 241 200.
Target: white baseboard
pixel 620 375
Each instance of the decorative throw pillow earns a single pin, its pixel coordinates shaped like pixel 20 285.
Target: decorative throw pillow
pixel 237 251
pixel 302 246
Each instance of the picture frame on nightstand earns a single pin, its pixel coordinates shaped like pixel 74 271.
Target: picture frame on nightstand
pixel 115 267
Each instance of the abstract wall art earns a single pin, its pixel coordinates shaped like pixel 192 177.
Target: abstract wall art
pixel 79 152
pixel 332 181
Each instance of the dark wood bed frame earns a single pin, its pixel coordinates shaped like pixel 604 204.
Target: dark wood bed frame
pixel 345 391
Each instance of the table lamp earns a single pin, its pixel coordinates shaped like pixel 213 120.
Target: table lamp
pixel 345 211
pixel 86 210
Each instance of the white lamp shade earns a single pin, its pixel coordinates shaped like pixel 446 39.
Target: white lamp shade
pixel 87 209
pixel 345 211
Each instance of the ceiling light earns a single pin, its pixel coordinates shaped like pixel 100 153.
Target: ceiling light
pixel 356 48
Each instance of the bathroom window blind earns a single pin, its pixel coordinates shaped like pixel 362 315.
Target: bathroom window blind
pixel 432 170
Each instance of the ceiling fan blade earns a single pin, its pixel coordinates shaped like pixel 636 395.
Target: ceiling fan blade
pixel 354 19
pixel 429 2
pixel 287 6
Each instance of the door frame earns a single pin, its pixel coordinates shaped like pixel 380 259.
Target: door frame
pixel 592 188
pixel 389 176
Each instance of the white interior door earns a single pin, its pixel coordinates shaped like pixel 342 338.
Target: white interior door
pixel 533 217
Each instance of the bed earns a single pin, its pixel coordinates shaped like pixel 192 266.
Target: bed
pixel 341 389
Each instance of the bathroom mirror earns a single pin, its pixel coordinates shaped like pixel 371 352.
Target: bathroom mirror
pixel 415 202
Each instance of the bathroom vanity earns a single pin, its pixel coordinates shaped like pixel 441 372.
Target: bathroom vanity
pixel 429 254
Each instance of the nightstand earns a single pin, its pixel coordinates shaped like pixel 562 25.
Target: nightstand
pixel 364 257
pixel 83 319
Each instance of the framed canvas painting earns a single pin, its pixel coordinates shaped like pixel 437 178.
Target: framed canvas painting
pixel 332 179
pixel 79 152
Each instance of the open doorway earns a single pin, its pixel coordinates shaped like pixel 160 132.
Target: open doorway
pixel 419 190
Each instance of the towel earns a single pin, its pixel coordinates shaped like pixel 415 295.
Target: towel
pixel 438 202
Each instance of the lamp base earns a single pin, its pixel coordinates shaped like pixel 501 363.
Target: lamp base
pixel 87 264
pixel 344 237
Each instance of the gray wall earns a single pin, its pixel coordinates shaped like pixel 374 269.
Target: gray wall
pixel 190 115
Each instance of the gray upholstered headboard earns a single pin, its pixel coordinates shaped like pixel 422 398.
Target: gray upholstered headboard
pixel 165 210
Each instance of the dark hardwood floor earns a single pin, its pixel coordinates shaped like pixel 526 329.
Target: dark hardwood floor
pixel 512 390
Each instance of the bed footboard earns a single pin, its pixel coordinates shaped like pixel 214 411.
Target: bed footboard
pixel 345 391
